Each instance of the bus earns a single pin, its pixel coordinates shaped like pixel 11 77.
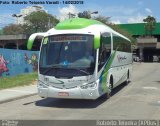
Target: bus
pixel 82 59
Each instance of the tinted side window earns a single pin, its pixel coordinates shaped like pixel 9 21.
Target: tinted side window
pixel 121 44
pixel 105 49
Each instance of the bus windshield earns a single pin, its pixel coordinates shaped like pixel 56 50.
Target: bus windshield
pixel 71 54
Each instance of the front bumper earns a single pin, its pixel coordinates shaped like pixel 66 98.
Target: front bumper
pixel 74 93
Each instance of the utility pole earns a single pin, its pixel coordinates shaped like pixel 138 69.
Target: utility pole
pixel 17 16
pixel 71 15
pixel 49 22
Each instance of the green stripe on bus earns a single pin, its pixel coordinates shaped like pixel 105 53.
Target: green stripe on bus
pixel 105 72
pixel 97 41
pixel 76 23
pixel 30 44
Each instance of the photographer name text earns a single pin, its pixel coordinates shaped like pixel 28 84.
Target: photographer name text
pixel 40 2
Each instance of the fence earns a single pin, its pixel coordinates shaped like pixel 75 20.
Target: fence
pixel 14 62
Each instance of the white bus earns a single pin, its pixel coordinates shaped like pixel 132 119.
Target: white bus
pixel 82 59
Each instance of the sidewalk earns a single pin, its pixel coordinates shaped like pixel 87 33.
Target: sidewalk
pixel 15 93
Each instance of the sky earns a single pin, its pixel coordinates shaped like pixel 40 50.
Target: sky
pixel 120 11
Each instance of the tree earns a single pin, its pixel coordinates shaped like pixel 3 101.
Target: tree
pixel 13 29
pixel 150 24
pixel 40 21
pixel 106 21
pixel 102 19
pixel 84 14
pixel 35 22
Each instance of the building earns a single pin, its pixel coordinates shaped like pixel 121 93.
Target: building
pixel 18 42
pixel 147 46
pixel 26 11
pixel 13 41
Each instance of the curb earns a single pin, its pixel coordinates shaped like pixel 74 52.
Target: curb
pixel 17 98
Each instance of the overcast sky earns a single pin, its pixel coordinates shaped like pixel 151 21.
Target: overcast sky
pixel 120 11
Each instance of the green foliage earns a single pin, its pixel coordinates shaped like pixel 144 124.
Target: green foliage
pixel 102 19
pixel 13 29
pixel 35 22
pixel 150 25
pixel 28 29
pixel 20 80
pixel 1 32
pixel 85 14
pixel 40 21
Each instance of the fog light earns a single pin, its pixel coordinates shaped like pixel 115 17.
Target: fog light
pixel 91 94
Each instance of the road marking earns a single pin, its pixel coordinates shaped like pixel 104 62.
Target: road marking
pixel 19 91
pixel 151 88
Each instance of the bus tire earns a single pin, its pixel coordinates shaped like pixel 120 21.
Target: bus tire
pixel 128 77
pixel 109 94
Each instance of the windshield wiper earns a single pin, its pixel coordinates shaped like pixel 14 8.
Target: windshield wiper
pixel 82 71
pixel 56 66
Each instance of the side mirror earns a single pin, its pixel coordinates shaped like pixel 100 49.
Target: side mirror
pixel 32 38
pixel 96 40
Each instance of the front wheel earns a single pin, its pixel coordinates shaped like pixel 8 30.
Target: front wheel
pixel 127 81
pixel 109 93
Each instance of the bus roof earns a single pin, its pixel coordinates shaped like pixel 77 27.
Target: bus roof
pixel 76 23
pixel 80 23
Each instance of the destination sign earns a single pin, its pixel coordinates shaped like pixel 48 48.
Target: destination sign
pixel 66 38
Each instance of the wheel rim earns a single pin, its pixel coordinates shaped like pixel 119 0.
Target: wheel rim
pixel 110 87
pixel 128 77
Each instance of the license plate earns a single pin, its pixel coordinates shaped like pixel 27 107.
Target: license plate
pixel 63 94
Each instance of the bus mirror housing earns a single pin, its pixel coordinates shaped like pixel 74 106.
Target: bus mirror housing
pixel 96 41
pixel 32 38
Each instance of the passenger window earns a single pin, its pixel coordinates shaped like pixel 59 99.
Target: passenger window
pixel 104 50
pixel 121 44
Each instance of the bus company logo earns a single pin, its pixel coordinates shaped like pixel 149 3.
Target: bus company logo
pixel 121 58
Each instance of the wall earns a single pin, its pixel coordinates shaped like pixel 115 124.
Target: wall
pixel 14 62
pixel 147 40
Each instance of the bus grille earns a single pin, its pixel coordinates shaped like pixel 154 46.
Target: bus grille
pixel 64 87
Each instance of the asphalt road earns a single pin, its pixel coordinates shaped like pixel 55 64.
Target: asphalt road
pixel 140 99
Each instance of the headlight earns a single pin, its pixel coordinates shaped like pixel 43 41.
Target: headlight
pixel 42 84
pixel 89 85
